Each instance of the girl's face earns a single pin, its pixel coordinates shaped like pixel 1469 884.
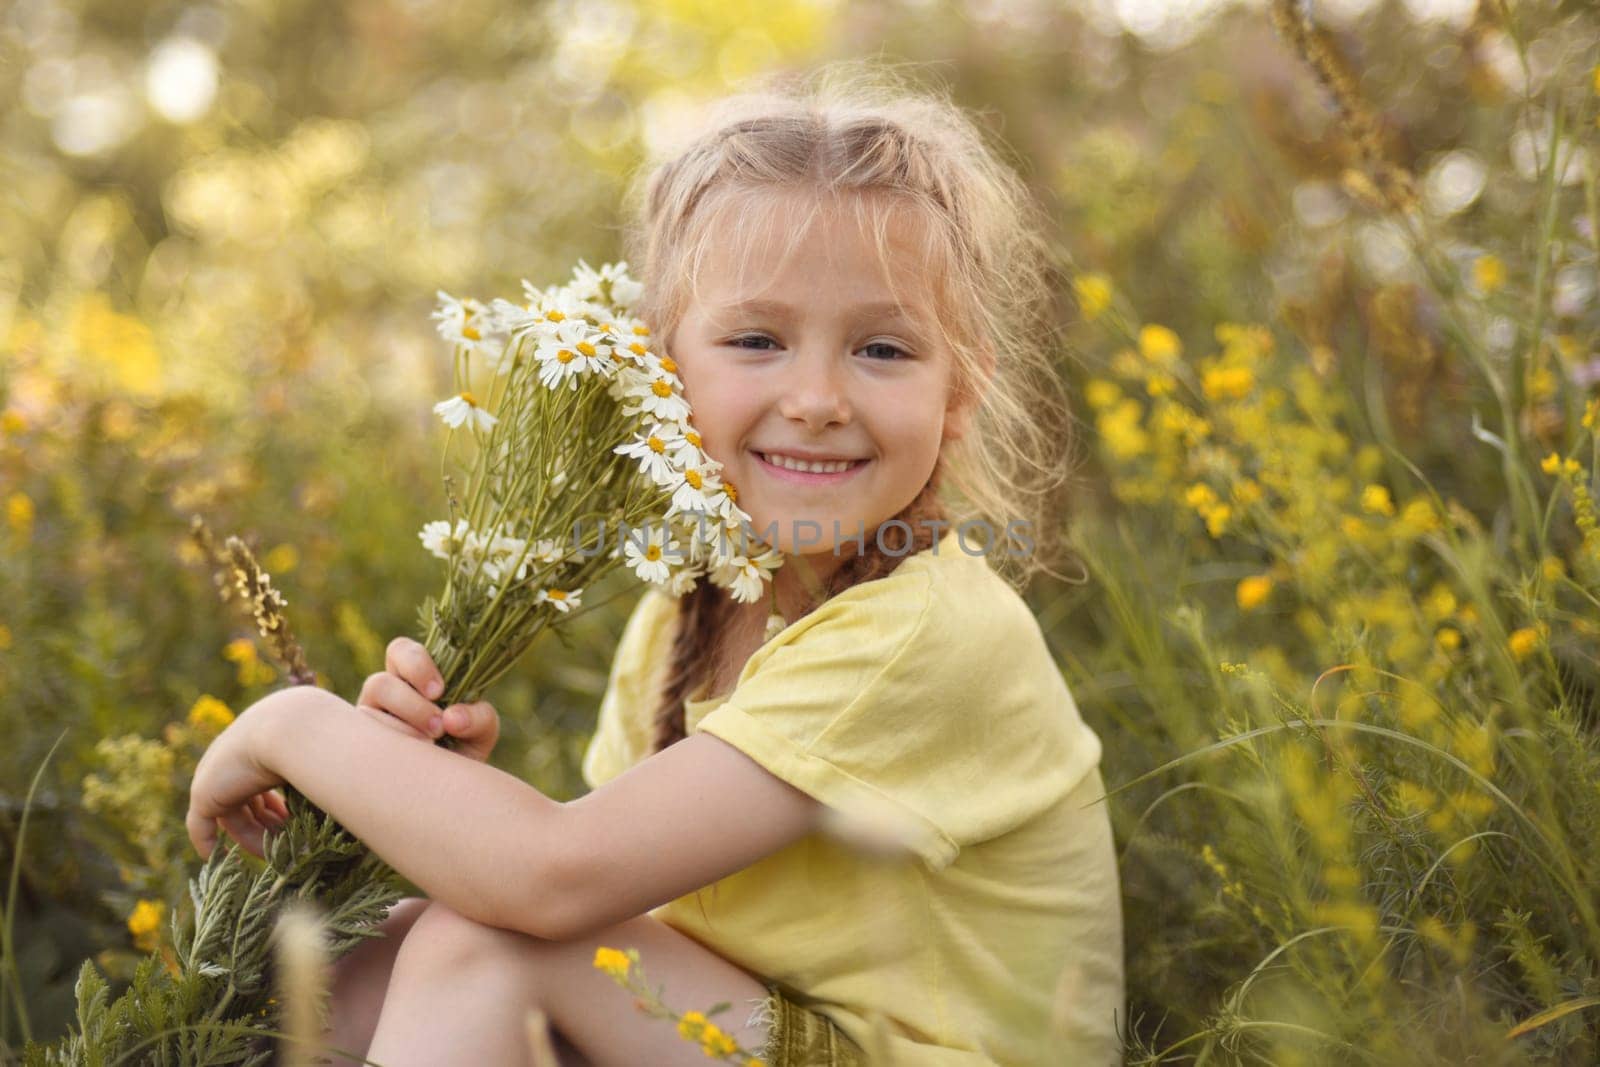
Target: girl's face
pixel 809 358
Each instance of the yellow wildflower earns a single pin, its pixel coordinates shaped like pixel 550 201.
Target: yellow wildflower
pixel 1120 429
pixel 19 513
pixel 1101 393
pixel 1217 520
pixel 5 637
pixel 1474 743
pixel 1552 568
pixel 1418 516
pixel 1360 919
pixel 1551 464
pixel 1251 592
pixel 1591 411
pixel 1159 344
pixel 1523 641
pixel 13 422
pixel 612 961
pixel 1159 384
pixel 252 671
pixel 1440 603
pixel 692 1023
pixel 1094 294
pixel 281 559
pixel 1375 498
pixel 209 714
pixel 715 1043
pixel 1227 383
pixel 1489 273
pixel 145 923
pixel 1448 638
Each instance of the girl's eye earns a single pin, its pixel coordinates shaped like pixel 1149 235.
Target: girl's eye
pixel 755 342
pixel 903 354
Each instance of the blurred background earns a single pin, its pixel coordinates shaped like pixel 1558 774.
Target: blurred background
pixel 1328 299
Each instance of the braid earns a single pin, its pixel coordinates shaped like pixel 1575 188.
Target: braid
pixel 701 611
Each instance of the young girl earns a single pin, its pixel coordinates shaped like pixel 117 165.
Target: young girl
pixel 864 813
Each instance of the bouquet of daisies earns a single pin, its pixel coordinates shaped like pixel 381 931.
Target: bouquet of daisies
pixel 585 459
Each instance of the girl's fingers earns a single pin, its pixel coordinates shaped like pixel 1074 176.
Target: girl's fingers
pixel 243 828
pixel 409 660
pixel 265 813
pixel 280 807
pixel 478 725
pixel 394 695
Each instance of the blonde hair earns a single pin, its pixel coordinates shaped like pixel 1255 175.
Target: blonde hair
pixel 858 137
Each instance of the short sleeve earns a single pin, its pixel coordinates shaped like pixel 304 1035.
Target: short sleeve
pixel 925 704
pixel 622 733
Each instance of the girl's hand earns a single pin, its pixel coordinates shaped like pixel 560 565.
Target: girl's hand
pixel 402 698
pixel 233 786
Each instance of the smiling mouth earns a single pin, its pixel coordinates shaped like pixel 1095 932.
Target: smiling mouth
pixel 794 469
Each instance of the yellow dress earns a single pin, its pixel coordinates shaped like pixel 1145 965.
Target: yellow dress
pixel 923 707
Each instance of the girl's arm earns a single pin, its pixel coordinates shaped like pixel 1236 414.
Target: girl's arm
pixel 495 849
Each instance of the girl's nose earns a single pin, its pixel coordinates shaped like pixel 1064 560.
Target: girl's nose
pixel 814 392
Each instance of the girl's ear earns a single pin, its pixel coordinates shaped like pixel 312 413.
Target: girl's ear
pixel 964 403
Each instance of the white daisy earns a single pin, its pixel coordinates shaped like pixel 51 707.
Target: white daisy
pixel 608 284
pixel 556 598
pixel 684 581
pixel 660 366
pixel 462 407
pixel 575 348
pixel 659 399
pixel 743 577
pixel 625 292
pixel 690 449
pixel 689 494
pixel 653 450
pixel 509 318
pixel 466 322
pixel 438 538
pixel 586 282
pixel 652 553
pixel 548 550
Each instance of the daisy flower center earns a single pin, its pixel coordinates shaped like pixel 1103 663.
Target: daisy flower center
pixel 554 316
pixel 555 594
pixel 586 348
pixel 642 331
pixel 566 355
pixel 471 333
pixel 652 553
pixel 692 476
pixel 668 365
pixel 656 444
pixel 692 437
pixel 661 388
pixel 469 398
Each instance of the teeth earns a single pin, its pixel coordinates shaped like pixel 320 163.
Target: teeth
pixel 802 465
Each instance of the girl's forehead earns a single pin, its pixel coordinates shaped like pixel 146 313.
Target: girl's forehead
pixel 749 239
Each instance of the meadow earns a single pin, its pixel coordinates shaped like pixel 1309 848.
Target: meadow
pixel 1330 328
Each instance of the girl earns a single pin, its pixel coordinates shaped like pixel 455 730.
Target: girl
pixel 867 810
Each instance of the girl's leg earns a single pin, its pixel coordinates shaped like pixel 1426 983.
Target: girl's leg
pixel 361 978
pixel 460 993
